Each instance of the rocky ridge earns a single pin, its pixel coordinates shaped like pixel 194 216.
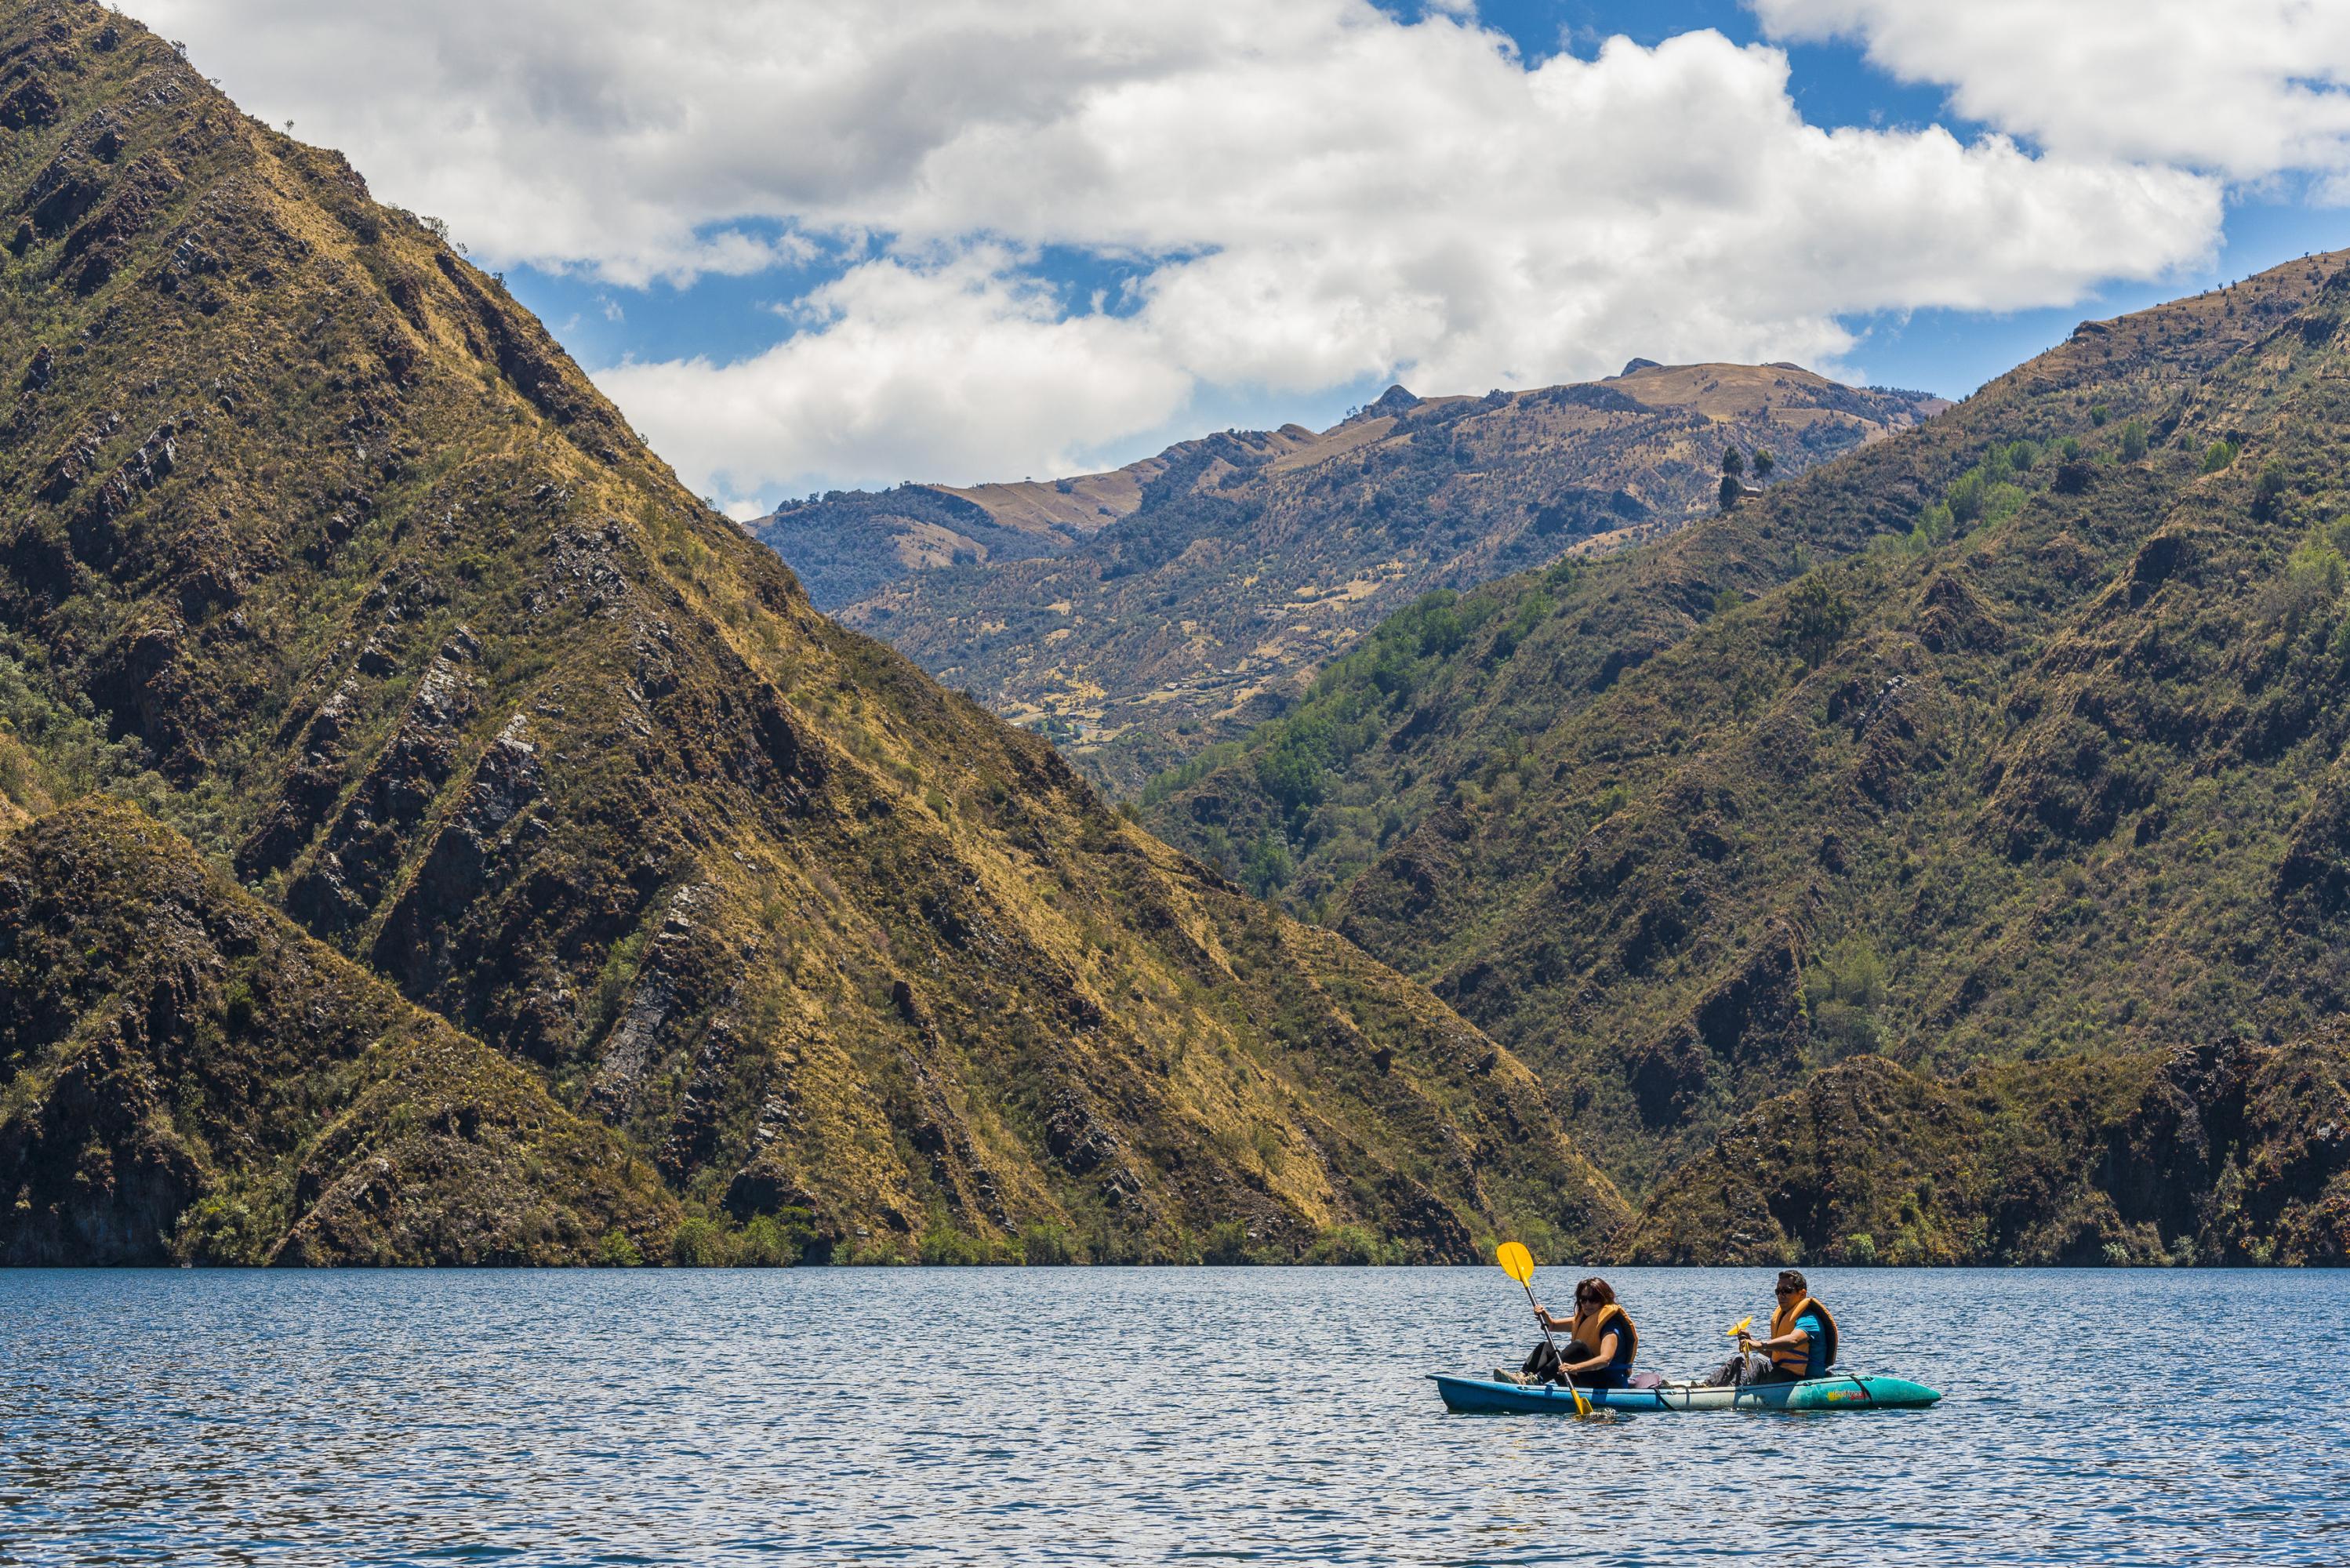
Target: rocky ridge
pixel 1209 583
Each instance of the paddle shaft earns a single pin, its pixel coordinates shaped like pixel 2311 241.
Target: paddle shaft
pixel 1564 1377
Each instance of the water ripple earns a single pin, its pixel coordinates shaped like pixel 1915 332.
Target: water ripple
pixel 1149 1416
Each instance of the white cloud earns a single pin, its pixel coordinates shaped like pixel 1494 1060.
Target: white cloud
pixel 1311 194
pixel 2246 88
pixel 952 370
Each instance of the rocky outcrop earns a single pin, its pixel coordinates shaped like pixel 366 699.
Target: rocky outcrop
pixel 194 1080
pixel 2233 1153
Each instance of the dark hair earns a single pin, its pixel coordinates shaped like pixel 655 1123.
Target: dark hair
pixel 1596 1288
pixel 1791 1281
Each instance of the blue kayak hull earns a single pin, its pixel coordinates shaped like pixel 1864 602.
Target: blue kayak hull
pixel 1478 1394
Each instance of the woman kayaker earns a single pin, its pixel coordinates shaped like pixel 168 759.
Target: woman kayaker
pixel 1802 1342
pixel 1601 1340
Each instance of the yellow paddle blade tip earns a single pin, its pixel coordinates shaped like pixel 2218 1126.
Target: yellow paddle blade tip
pixel 1515 1260
pixel 1735 1329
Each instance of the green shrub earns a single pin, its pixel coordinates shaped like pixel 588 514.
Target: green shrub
pixel 2220 454
pixel 767 1243
pixel 1269 866
pixel 2319 566
pixel 1353 1245
pixel 1046 1245
pixel 942 1244
pixel 2269 493
pixel 218 1229
pixel 698 1244
pixel 1816 617
pixel 1227 1244
pixel 1860 1248
pixel 1965 496
pixel 2117 1255
pixel 2133 440
pixel 615 1251
pixel 2099 414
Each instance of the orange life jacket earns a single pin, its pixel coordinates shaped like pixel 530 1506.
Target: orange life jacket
pixel 1808 1360
pixel 1587 1336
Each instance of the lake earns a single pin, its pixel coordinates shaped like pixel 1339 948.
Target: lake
pixel 955 1416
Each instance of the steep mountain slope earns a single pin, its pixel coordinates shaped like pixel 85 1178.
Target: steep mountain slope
pixel 318 548
pixel 191 1077
pixel 2229 1152
pixel 2047 767
pixel 1246 560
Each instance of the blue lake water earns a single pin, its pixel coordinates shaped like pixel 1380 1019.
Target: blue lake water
pixel 957 1415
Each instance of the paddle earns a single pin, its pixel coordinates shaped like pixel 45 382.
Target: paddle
pixel 1737 1331
pixel 1519 1264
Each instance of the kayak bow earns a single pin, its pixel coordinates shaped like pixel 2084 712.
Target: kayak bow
pixel 1842 1392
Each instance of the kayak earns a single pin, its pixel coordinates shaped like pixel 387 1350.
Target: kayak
pixel 1467 1394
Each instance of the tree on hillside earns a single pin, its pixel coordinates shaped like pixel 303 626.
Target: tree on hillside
pixel 1764 462
pixel 1816 617
pixel 1733 462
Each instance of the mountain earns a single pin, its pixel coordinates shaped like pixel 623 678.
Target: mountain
pixel 1149 613
pixel 194 1077
pixel 847 544
pixel 2014 737
pixel 2224 1153
pixel 337 607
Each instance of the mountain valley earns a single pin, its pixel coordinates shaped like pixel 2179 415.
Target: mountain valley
pixel 1143 615
pixel 2013 739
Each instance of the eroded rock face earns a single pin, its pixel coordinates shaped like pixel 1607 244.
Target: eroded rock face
pixel 369 837
pixel 143 999
pixel 2224 1153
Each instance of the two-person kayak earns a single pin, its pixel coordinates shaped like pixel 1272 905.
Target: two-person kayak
pixel 1842 1392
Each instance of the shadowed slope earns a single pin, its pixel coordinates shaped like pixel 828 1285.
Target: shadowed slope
pixel 2230 1154
pixel 192 1077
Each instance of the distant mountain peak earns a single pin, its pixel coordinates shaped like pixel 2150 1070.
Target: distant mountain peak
pixel 1636 364
pixel 1394 401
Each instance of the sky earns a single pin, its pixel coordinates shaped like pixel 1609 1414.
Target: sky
pixel 817 243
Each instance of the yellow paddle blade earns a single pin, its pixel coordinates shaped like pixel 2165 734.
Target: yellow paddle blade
pixel 1515 1260
pixel 1735 1329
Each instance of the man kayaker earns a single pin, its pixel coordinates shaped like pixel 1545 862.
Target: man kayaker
pixel 1601 1340
pixel 1803 1341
